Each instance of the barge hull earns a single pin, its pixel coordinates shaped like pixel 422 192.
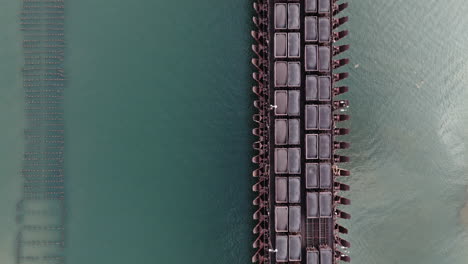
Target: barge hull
pixel 297 164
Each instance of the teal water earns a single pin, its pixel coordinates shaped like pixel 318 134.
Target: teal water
pixel 409 86
pixel 159 128
pixel 158 131
pixel 12 121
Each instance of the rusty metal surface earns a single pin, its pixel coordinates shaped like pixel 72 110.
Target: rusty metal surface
pixel 295 85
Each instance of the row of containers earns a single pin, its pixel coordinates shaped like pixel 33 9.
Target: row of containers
pixel 315 213
pixel 41 212
pixel 281 57
pixel 291 251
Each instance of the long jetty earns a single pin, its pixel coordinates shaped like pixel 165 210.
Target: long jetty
pixel 41 211
pixel 297 188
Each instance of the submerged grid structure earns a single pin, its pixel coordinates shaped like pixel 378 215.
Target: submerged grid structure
pixel 41 211
pixel 297 172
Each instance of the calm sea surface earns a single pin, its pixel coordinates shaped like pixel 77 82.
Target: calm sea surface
pixel 158 131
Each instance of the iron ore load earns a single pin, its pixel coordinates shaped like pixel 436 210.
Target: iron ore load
pixel 297 189
pixel 41 210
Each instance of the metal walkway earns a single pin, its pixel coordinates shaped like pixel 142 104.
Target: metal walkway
pixel 297 164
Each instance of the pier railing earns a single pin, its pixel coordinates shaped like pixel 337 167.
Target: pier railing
pixel 262 243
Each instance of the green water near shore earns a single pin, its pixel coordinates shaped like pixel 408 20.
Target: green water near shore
pixel 158 131
pixel 409 87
